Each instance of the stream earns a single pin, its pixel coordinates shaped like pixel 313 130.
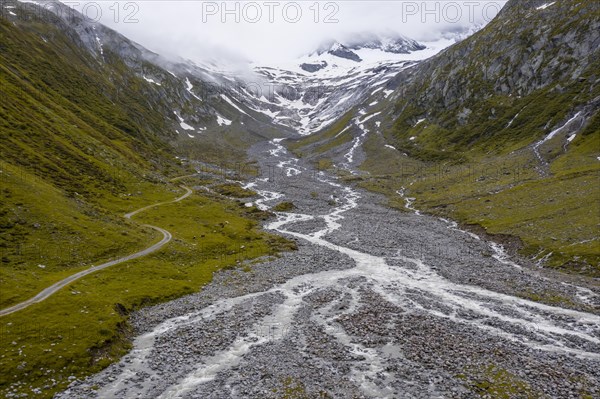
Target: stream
pixel 376 303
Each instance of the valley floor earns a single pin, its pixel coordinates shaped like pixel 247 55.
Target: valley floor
pixel 375 303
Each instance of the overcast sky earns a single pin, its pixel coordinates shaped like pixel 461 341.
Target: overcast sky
pixel 268 31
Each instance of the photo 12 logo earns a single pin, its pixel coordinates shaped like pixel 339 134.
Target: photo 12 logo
pixel 450 11
pixel 270 11
pixel 125 12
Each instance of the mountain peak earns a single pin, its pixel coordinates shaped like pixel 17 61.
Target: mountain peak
pixel 394 43
pixel 339 50
pixel 390 43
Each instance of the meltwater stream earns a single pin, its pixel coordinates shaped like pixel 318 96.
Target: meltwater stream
pixel 397 280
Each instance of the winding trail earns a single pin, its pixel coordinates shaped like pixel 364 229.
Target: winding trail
pixel 47 292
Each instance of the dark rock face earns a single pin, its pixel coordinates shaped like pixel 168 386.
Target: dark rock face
pixel 530 52
pixel 313 67
pixel 339 50
pixel 387 44
pixel 399 45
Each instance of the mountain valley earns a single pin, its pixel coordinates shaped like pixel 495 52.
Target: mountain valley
pixel 381 217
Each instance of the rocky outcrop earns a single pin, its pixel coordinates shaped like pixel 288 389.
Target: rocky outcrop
pixel 395 45
pixel 313 67
pixel 530 48
pixel 339 50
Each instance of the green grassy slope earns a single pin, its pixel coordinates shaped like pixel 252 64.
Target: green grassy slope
pixel 83 142
pixel 83 328
pixel 71 159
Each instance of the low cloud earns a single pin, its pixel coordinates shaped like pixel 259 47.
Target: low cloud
pixel 268 31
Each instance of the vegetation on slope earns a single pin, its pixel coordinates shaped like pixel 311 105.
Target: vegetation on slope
pixel 71 161
pixel 326 140
pixel 83 328
pixel 84 141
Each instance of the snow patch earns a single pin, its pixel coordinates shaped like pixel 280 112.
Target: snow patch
pixel 344 130
pixel 344 99
pixel 224 97
pixel 544 6
pixel 185 126
pixel 100 46
pixel 189 87
pixel 99 42
pixel 537 145
pixel 367 118
pixel 150 80
pixel 324 124
pixel 222 121
pixel 267 112
pixel 513 119
pixel 182 123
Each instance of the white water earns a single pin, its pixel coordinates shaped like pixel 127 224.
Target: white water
pixel 357 142
pixel 392 283
pixel 408 201
pixel 553 133
pixel 532 324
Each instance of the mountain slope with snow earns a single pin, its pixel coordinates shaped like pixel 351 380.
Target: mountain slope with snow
pixel 308 94
pixel 188 100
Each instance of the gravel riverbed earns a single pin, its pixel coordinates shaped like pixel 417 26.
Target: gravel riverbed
pixel 375 303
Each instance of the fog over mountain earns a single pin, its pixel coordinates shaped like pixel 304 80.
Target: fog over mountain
pixel 201 29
